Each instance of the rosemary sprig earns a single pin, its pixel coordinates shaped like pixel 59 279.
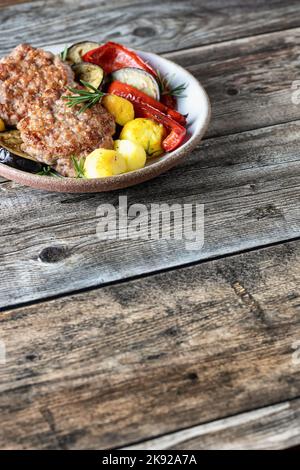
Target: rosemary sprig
pixel 78 166
pixel 164 83
pixel 177 91
pixel 83 97
pixel 47 171
pixel 64 53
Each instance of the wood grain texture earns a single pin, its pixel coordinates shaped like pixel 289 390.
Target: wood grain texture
pixel 7 3
pixel 252 82
pixel 271 428
pixel 133 361
pixel 249 184
pixel 152 25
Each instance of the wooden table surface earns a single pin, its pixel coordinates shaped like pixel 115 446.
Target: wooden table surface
pixel 144 344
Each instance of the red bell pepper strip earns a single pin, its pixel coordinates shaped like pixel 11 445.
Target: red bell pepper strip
pixel 134 95
pixel 177 132
pixel 169 101
pixel 112 56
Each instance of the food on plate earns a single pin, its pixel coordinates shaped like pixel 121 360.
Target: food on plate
pixel 75 52
pixel 112 56
pixel 147 133
pixel 89 73
pixel 169 93
pixel 12 141
pixel 126 156
pixel 133 153
pixel 83 98
pixel 136 96
pixel 138 78
pixel 177 132
pixel 52 131
pixel 92 111
pixel 11 153
pixel 15 161
pixel 122 110
pixel 26 74
pixel 102 163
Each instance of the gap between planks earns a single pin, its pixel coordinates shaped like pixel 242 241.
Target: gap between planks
pixel 148 357
pixel 236 191
pixel 283 213
pixel 161 27
pixel 228 43
pixel 274 427
pixel 9 308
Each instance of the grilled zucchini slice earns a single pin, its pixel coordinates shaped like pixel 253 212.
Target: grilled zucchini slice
pixel 138 78
pixel 89 73
pixel 76 51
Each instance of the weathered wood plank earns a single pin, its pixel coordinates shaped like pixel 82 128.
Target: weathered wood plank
pixel 136 360
pixel 249 184
pixel 7 3
pixel 153 25
pixel 271 428
pixel 233 176
pixel 252 82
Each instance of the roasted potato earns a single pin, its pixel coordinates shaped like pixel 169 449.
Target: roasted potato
pixel 121 109
pixel 103 162
pixel 133 153
pixel 147 133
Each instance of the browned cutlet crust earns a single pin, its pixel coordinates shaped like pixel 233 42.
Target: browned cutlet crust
pixel 25 75
pixel 52 132
pixel 32 83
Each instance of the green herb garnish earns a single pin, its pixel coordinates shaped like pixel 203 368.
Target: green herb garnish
pixel 47 171
pixel 164 83
pixel 83 97
pixel 64 53
pixel 78 166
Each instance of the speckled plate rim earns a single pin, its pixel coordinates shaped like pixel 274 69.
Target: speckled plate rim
pixel 73 185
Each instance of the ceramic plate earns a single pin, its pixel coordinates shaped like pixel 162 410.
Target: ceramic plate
pixel 195 104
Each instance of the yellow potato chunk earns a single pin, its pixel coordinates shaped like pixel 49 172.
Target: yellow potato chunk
pixel 121 109
pixel 103 162
pixel 2 125
pixel 133 153
pixel 147 133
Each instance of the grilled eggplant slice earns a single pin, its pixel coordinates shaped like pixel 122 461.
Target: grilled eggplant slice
pixel 11 140
pixel 19 163
pixel 89 73
pixel 11 153
pixel 76 51
pixel 138 78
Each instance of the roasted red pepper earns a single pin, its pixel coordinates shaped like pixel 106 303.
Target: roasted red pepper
pixel 169 100
pixel 136 96
pixel 112 56
pixel 177 132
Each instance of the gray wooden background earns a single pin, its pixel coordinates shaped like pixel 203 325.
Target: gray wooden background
pixel 143 343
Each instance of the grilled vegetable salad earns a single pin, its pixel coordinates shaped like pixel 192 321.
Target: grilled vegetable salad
pixel 142 102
